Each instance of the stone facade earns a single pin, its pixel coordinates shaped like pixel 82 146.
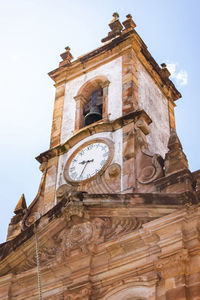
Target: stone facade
pixel 131 229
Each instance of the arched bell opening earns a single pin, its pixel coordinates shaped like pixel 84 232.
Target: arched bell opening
pixel 93 109
pixel 92 102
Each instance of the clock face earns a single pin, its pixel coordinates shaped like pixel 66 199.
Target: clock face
pixel 88 161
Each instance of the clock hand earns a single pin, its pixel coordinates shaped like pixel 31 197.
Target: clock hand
pixel 85 162
pixel 90 160
pixel 83 168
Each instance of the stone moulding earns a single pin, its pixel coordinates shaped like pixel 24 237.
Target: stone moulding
pixel 173 265
pixel 147 205
pixel 101 126
pixel 110 242
pixel 82 293
pixel 129 37
pixel 139 290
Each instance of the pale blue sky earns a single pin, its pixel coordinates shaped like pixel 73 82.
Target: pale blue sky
pixel 33 33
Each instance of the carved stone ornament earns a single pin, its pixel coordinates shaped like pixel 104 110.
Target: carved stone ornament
pixel 116 226
pixel 83 294
pixel 83 236
pixel 149 167
pixel 74 208
pixel 112 171
pixel 153 169
pixel 46 254
pixel 173 265
pixel 108 182
pixel 86 234
pixel 63 191
pixel 32 218
pixel 81 233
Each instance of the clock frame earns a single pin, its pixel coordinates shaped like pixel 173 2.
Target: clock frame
pixel 110 145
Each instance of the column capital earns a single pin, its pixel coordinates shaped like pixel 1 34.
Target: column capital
pixel 80 98
pixel 105 84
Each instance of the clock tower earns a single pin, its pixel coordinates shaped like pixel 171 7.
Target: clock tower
pixel 117 212
pixel 106 102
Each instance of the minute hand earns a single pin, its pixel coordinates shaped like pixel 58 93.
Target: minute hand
pixel 86 162
pixel 84 168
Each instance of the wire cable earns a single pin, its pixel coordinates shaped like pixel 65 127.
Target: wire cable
pixel 38 266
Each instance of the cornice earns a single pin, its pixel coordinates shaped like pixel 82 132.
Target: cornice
pixel 100 126
pixel 90 55
pixel 161 209
pixel 126 254
pixel 112 50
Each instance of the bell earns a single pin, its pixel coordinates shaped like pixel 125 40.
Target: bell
pixel 93 116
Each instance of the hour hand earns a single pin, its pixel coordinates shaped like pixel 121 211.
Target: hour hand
pixel 86 161
pixel 90 160
pixel 83 162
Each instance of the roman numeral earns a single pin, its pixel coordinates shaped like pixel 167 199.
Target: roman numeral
pixel 103 162
pixel 105 154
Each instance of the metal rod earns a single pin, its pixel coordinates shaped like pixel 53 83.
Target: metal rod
pixel 38 267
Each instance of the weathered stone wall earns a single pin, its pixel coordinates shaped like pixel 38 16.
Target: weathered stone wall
pixel 152 100
pixel 115 247
pixel 113 71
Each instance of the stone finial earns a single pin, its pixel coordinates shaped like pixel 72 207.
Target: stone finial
pixel 15 226
pixel 116 28
pixel 164 71
pixel 175 159
pixel 174 142
pixel 115 17
pixel 129 23
pixel 21 205
pixel 115 24
pixel 163 65
pixel 67 56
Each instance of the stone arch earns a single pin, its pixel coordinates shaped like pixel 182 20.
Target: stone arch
pixel 132 292
pixel 89 86
pixel 84 93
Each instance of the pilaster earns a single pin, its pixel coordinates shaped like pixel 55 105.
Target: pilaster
pixel 57 115
pixel 129 82
pixel 80 101
pixel 50 185
pixel 171 106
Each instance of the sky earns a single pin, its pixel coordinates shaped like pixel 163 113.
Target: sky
pixel 33 33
